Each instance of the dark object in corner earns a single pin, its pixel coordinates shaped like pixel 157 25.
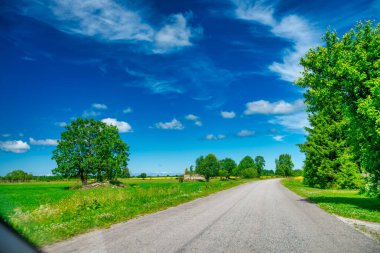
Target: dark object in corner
pixel 12 242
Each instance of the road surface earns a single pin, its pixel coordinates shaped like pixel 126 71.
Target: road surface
pixel 261 216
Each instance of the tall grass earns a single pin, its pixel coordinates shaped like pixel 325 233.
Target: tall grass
pixel 46 213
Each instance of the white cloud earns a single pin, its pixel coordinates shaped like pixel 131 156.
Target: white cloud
pixel 194 118
pixel 173 125
pixel 292 28
pixel 198 123
pixel 191 117
pixel 14 146
pixel 279 107
pixel 215 137
pixel 278 138
pixel 127 110
pixel 228 115
pixel 297 121
pixel 89 114
pixel 44 142
pixel 175 34
pixel 99 106
pixel 108 20
pixel 245 133
pixel 122 126
pixel 6 135
pixel 61 124
pixel 257 11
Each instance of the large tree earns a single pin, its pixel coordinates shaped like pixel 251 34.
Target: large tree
pixel 284 165
pixel 343 98
pixel 207 166
pixel 90 148
pixel 227 164
pixel 259 164
pixel 247 168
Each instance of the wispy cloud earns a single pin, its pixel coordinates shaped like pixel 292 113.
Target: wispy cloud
pixel 127 110
pixel 228 115
pixel 292 28
pixel 5 135
pixel 279 107
pixel 43 142
pixel 155 85
pixel 14 146
pixel 90 113
pixel 174 124
pixel 194 118
pixel 99 106
pixel 278 138
pixel 215 137
pixel 113 21
pixel 245 133
pixel 122 126
pixel 61 124
pixel 297 121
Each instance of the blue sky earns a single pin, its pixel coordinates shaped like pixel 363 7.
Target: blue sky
pixel 179 79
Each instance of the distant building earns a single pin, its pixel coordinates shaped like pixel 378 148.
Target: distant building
pixel 194 177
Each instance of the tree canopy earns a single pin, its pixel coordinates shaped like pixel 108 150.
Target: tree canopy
pixel 90 148
pixel 18 176
pixel 259 164
pixel 343 99
pixel 207 166
pixel 227 164
pixel 284 165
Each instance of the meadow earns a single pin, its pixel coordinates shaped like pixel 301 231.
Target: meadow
pixel 52 211
pixel 346 203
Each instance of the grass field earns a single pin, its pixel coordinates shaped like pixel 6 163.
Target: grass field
pixel 346 203
pixel 48 212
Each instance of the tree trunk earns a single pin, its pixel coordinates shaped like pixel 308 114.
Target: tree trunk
pixel 84 179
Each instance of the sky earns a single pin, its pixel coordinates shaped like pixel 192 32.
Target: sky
pixel 179 79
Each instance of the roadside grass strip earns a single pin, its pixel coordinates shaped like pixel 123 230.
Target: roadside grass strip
pixel 346 203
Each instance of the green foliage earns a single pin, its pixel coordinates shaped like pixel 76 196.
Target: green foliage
pixel 259 164
pixel 246 163
pixel 284 165
pixel 297 173
pixel 347 203
pixel 142 175
pixel 267 173
pixel 187 171
pixel 125 173
pixel 249 173
pixel 181 179
pixel 223 174
pixel 18 176
pixel 207 166
pixel 228 164
pixel 90 148
pixel 343 99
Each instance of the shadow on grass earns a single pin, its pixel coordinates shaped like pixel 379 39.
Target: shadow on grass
pixel 370 204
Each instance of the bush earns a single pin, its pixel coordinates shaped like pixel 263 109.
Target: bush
pixel 249 173
pixel 180 179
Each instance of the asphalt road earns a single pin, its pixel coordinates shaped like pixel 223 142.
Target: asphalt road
pixel 256 217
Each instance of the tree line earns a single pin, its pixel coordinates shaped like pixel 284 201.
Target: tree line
pixel 209 166
pixel 342 81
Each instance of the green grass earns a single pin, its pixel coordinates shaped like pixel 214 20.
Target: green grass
pixel 48 212
pixel 346 203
